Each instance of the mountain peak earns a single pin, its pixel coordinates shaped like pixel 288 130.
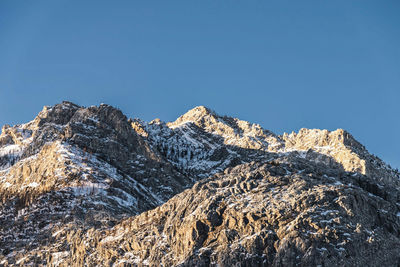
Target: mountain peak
pixel 323 138
pixel 85 186
pixel 196 115
pixel 201 110
pixel 58 114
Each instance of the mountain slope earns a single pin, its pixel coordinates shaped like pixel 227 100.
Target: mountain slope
pixel 87 186
pixel 286 212
pixel 76 167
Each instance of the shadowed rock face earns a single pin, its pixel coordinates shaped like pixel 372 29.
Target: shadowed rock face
pixel 86 186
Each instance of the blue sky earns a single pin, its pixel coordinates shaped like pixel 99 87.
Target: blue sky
pixel 282 64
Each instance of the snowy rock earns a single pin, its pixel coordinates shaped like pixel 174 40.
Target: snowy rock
pixel 88 186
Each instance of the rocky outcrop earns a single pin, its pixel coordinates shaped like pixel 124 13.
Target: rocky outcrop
pixel 344 149
pixel 83 135
pixel 232 131
pixel 285 212
pixel 87 186
pixel 74 168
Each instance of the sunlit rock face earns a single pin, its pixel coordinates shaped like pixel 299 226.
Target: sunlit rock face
pixel 88 186
pixel 344 149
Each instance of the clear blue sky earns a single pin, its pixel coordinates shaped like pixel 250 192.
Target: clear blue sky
pixel 283 64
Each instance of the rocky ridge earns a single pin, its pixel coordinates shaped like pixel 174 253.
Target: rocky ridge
pixel 86 186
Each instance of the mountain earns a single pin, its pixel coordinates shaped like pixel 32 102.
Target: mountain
pixel 88 186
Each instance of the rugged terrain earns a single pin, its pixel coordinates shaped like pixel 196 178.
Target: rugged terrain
pixel 88 186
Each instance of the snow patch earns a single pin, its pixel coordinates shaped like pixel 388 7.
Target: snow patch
pixel 33 184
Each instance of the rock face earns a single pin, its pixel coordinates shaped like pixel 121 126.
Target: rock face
pixel 74 167
pixel 344 149
pixel 87 186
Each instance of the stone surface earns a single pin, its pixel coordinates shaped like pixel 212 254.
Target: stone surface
pixel 89 187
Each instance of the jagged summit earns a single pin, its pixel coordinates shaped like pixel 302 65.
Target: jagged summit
pixel 344 149
pixel 338 146
pixel 324 138
pixel 233 131
pixel 200 111
pixel 87 186
pixel 221 138
pixel 198 115
pixel 66 134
